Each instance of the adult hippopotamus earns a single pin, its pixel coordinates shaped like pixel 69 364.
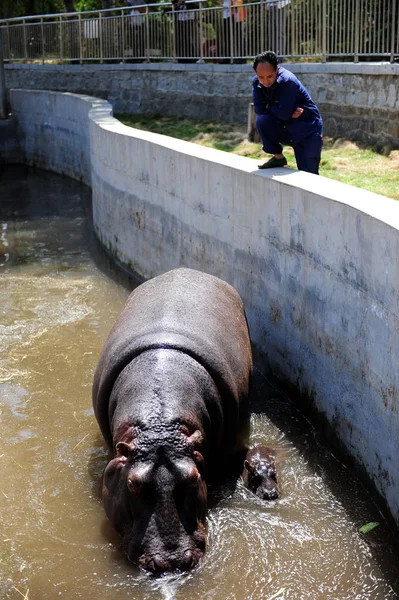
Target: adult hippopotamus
pixel 259 474
pixel 170 394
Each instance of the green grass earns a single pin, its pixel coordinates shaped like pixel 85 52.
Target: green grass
pixel 342 160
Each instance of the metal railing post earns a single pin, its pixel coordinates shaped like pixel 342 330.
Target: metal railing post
pixel 8 40
pixel 61 40
pixel 201 60
pixel 123 35
pixel 174 19
pixel 231 33
pixel 147 37
pixel 324 33
pixel 393 32
pixel 80 38
pixel 3 91
pixel 42 35
pixel 25 40
pixel 293 8
pixel 357 31
pixel 262 25
pixel 100 26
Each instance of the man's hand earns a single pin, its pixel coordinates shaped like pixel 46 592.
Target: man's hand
pixel 297 113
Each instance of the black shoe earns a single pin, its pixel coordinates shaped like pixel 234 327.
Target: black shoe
pixel 273 162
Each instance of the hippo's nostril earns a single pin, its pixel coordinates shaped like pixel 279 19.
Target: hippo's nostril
pixel 271 495
pixel 161 565
pixel 150 566
pixel 189 560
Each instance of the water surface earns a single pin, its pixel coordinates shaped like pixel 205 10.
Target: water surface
pixel 58 300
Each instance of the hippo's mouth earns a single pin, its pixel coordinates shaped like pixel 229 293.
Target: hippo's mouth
pixel 162 560
pixel 271 494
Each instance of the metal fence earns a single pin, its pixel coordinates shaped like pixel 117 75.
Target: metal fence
pixel 317 29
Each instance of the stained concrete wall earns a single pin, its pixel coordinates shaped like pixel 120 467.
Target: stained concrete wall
pixel 54 131
pixel 315 261
pixel 357 101
pixel 10 147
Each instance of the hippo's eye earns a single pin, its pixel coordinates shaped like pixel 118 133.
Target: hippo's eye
pixel 135 484
pixel 138 478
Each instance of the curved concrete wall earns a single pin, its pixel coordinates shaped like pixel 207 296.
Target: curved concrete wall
pixel 54 131
pixel 315 261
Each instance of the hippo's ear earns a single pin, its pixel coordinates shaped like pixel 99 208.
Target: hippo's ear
pixel 249 467
pixel 196 439
pixel 124 449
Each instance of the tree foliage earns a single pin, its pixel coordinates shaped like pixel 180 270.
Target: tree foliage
pixel 21 8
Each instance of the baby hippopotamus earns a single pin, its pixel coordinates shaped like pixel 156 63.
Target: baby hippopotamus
pixel 259 474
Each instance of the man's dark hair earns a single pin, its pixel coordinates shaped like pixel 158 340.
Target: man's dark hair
pixel 266 57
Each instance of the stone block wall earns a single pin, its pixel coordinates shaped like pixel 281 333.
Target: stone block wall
pixel 357 101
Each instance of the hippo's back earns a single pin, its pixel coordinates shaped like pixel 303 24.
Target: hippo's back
pixel 186 310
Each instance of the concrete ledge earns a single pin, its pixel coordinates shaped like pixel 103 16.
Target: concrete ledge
pixel 315 261
pixel 376 68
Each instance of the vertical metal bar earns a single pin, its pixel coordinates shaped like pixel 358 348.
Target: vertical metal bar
pixel 3 91
pixel 100 33
pixel 147 44
pixel 80 38
pixel 357 31
pixel 324 32
pixel 42 36
pixel 334 41
pixel 201 60
pixel 25 40
pixel 343 18
pixel 394 6
pixel 174 19
pixel 293 10
pixel 122 24
pixel 231 33
pixel 8 39
pixel 262 25
pixel 61 39
pixel 350 30
pixel 361 24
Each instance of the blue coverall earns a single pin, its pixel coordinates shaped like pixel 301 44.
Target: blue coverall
pixel 274 107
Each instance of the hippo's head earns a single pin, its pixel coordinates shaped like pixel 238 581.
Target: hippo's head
pixel 155 496
pixel 260 473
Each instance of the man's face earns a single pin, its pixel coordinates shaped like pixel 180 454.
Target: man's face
pixel 266 74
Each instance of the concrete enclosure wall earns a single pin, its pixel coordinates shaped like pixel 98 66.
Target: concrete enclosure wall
pixel 10 147
pixel 315 261
pixel 54 131
pixel 357 101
